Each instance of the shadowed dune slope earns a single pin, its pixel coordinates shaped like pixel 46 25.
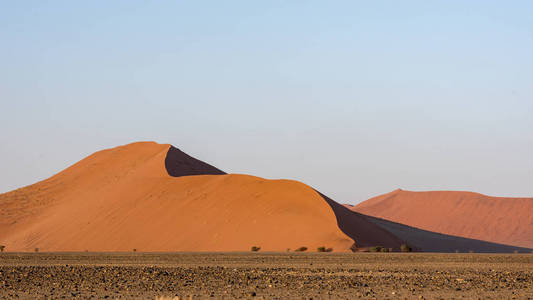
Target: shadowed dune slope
pixel 179 163
pixel 427 241
pixel 351 224
pixel 465 214
pixel 124 198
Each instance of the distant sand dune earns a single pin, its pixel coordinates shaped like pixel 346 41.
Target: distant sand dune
pixel 471 215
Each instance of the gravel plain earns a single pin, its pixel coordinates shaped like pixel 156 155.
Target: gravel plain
pixel 265 276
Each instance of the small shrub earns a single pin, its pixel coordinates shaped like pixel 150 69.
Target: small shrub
pixel 390 249
pixel 255 248
pixel 324 249
pixel 301 249
pixel 134 249
pixel 384 249
pixel 405 248
pixel 2 247
pixel 375 249
pixel 36 250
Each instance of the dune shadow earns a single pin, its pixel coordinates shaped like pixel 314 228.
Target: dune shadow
pixel 179 163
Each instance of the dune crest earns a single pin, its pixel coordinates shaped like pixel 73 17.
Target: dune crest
pixel 465 214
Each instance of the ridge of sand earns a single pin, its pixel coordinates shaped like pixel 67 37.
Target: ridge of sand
pixel 123 198
pixel 464 214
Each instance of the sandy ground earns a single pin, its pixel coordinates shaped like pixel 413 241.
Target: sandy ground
pixel 265 276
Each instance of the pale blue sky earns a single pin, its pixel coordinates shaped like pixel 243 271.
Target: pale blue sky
pixel 355 98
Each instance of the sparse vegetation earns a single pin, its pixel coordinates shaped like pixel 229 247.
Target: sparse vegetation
pixel 301 249
pixel 255 248
pixel 384 249
pixel 2 247
pixel 405 248
pixel 36 250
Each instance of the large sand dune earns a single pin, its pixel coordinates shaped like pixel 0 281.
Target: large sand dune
pixel 151 197
pixel 465 214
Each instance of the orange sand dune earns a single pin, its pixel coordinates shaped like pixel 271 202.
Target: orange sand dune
pixel 500 220
pixel 125 198
pixel 154 197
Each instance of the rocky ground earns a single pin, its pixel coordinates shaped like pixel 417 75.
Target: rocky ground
pixel 265 276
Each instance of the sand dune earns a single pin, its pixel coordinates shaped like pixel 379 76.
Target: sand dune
pixel 125 198
pixel 428 241
pixel 465 214
pixel 154 197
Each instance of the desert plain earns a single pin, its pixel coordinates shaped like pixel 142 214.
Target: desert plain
pixel 265 276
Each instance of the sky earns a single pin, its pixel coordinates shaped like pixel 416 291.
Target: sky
pixel 354 98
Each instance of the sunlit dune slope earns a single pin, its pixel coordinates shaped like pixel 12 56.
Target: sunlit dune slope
pixel 124 198
pixel 495 219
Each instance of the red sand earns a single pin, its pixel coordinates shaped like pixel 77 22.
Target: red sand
pixel 466 214
pixel 123 198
